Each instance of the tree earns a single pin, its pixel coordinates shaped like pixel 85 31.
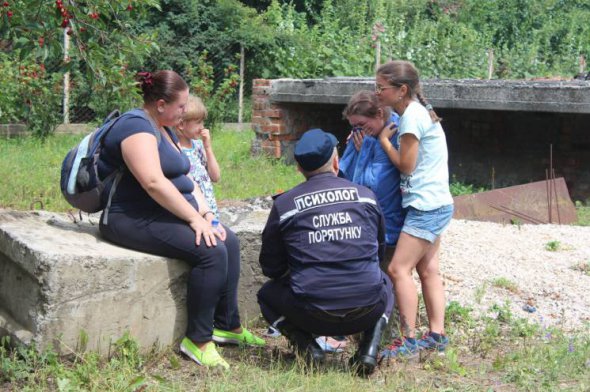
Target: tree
pixel 104 50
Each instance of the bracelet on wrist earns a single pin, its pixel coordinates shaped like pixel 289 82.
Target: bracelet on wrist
pixel 207 212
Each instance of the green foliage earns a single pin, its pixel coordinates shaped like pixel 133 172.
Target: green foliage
pixel 126 350
pixel 459 188
pixel 103 50
pixel 583 212
pixel 29 93
pixel 518 355
pixel 553 246
pixel 244 176
pixel 30 170
pixel 480 291
pixel 216 98
pixel 506 284
pixel 457 314
pixel 186 28
pixel 322 49
pixel 503 312
pixel 445 38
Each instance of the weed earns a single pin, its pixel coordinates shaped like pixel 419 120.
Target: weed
pixel 458 188
pixel 583 267
pixel 522 328
pixel 583 212
pixel 516 222
pixel 503 312
pixel 458 314
pixel 553 246
pixel 480 291
pixel 520 357
pixel 505 284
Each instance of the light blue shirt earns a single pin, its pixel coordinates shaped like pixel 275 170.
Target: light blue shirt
pixel 427 188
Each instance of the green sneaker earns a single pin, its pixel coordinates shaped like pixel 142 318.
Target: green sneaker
pixel 208 357
pixel 245 338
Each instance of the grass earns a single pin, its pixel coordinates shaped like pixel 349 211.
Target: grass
pixel 493 352
pixel 583 267
pixel 30 171
pixel 506 284
pixel 553 246
pixel 583 212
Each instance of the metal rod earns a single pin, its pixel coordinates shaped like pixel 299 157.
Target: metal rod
pixel 556 199
pixel 548 196
pixel 550 183
pixel 516 213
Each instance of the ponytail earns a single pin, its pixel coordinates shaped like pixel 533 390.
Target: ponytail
pixel 435 118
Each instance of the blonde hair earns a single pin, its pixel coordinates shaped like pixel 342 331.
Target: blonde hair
pixel 195 109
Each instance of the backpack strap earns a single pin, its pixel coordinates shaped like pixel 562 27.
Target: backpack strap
pixel 121 170
pixel 105 216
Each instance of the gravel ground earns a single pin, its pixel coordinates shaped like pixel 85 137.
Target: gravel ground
pixel 554 284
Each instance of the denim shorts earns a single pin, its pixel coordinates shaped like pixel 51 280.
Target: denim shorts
pixel 427 225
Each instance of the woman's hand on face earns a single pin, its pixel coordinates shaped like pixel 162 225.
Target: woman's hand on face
pixel 203 228
pixel 357 138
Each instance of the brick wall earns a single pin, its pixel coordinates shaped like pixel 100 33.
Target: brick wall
pixel 277 127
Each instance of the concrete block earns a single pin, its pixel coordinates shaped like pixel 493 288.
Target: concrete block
pixel 59 279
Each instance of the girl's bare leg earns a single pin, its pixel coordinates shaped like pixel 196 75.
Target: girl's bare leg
pixel 409 251
pixel 432 288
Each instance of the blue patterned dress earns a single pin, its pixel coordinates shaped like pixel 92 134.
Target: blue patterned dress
pixel 198 172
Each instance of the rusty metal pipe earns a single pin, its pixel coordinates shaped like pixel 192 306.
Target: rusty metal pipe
pixel 517 214
pixel 548 196
pixel 556 198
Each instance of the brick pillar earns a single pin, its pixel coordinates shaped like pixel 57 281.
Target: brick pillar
pixel 273 137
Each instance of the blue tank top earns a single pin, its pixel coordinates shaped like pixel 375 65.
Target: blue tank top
pixel 130 196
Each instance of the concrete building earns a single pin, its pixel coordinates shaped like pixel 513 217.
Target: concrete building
pixel 499 132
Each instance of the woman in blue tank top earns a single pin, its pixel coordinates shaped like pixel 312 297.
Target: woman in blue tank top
pixel 155 209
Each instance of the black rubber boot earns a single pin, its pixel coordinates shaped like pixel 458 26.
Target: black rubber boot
pixel 365 359
pixel 303 343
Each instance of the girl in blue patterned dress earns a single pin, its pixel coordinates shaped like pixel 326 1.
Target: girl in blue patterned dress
pixel 195 141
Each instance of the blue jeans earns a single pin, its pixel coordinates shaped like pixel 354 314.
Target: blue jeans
pixel 428 225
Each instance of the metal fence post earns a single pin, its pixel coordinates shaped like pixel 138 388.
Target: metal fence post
pixel 66 91
pixel 241 90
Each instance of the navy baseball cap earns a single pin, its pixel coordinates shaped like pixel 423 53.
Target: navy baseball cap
pixel 314 149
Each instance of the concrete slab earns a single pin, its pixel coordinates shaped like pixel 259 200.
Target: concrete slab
pixel 550 96
pixel 59 279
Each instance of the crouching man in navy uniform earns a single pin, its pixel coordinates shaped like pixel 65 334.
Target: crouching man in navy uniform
pixel 321 247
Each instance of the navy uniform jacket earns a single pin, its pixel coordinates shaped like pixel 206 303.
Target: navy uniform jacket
pixel 327 235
